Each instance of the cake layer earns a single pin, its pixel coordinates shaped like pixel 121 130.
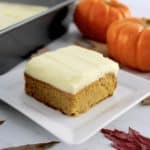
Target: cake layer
pixel 71 104
pixel 70 69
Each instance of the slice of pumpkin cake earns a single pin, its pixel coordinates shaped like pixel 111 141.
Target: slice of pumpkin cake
pixel 71 79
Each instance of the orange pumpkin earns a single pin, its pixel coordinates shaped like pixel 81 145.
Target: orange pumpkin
pixel 129 43
pixel 93 17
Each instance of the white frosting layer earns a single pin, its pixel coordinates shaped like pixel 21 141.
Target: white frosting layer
pixel 70 69
pixel 11 13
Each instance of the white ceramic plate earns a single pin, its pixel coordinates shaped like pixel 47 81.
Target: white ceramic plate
pixel 73 130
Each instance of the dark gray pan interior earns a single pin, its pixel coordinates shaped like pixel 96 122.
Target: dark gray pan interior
pixel 18 42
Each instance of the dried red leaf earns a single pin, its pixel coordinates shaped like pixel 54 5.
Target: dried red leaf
pixel 125 146
pixel 139 138
pixel 116 134
pixel 132 140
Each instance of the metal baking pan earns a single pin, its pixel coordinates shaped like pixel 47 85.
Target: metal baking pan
pixel 19 40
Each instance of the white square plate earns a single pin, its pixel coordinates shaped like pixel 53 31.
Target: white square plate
pixel 73 130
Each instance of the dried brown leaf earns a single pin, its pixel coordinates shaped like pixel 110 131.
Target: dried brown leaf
pixel 99 47
pixel 1 122
pixel 146 101
pixel 90 44
pixel 40 146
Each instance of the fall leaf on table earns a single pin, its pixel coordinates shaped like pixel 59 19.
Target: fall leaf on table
pixel 41 146
pixel 90 44
pixel 99 47
pixel 1 122
pixel 132 140
pixel 146 101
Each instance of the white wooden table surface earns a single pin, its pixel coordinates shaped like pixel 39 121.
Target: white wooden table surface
pixel 19 130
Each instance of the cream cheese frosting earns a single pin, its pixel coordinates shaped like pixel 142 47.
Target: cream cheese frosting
pixel 11 13
pixel 70 69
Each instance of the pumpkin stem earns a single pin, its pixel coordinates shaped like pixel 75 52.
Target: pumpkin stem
pixel 107 1
pixel 146 22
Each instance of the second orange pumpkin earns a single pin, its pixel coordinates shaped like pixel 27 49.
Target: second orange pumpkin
pixel 129 43
pixel 93 17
